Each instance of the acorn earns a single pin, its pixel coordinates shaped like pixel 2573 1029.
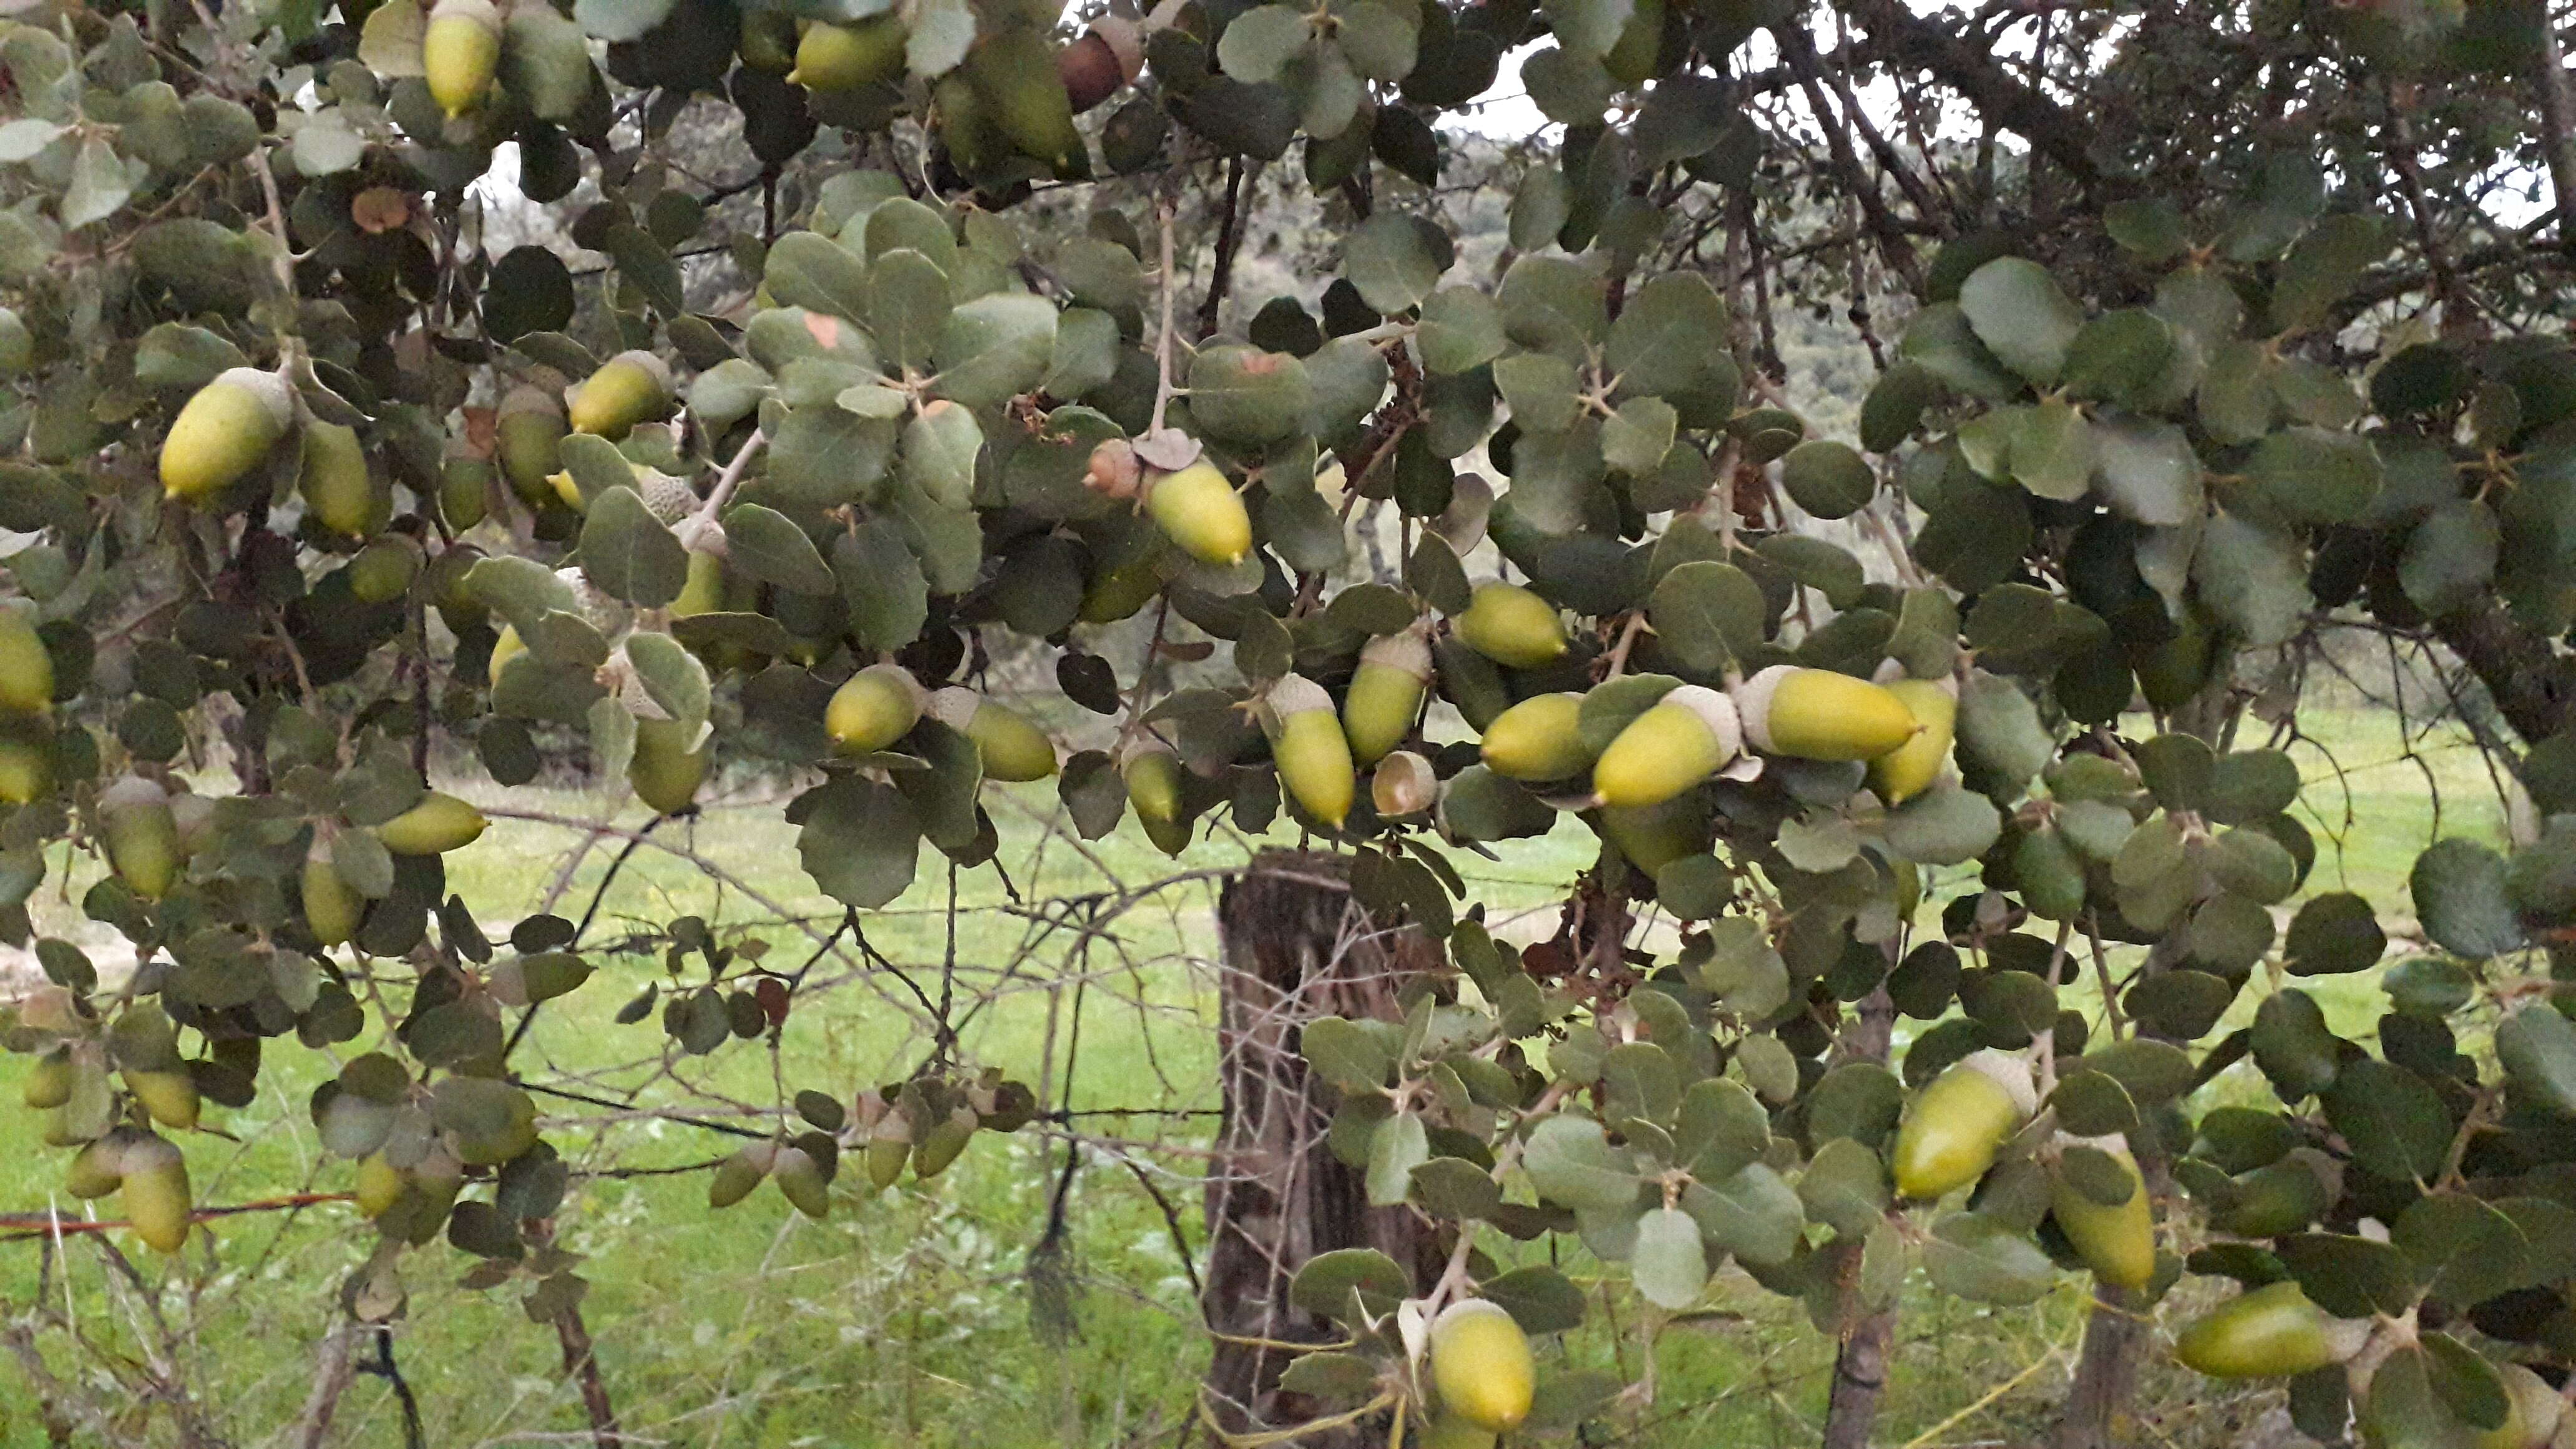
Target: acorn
pixel 834 57
pixel 26 771
pixel 1511 626
pixel 666 769
pixel 703 590
pixel 1687 736
pixel 505 647
pixel 168 1097
pixel 1403 784
pixel 1199 510
pixel 2276 1198
pixel 1116 593
pixel 889 1148
pixel 2533 1414
pixel 223 432
pixel 767 43
pixel 1481 1365
pixel 1537 739
pixel 1385 694
pixel 142 837
pixel 49 1081
pixel 941 1145
pixel 1014 751
pixel 331 908
pixel 2270 1332
pixel 2117 1243
pixel 975 145
pixel 384 569
pixel 380 1185
pixel 99 1167
pixel 876 707
pixel 460 53
pixel 1306 742
pixel 1912 767
pixel 438 824
pixel 528 437
pixel 335 485
pixel 1109 55
pixel 1958 1123
pixel 26 666
pixel 1153 777
pixel 464 487
pixel 1017 75
pixel 1651 837
pixel 630 388
pixel 737 1175
pixel 1816 714
pixel 155 1182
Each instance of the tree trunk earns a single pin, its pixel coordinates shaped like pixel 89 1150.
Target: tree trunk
pixel 1860 1365
pixel 1296 947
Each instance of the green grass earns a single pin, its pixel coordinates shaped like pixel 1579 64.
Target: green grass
pixel 904 1319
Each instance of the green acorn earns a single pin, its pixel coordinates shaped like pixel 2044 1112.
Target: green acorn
pixel 1537 739
pixel 223 432
pixel 2117 1243
pixel 1817 714
pixel 801 1181
pixel 737 1175
pixel 1957 1124
pixel 1153 777
pixel 1912 767
pixel 438 824
pixel 2270 1332
pixel 1385 694
pixel 384 569
pixel 99 1167
pixel 1014 751
pixel 1687 736
pixel 528 436
pixel 460 53
pixel 669 764
pixel 940 1146
pixel 876 707
pixel 1313 758
pixel 1200 511
pixel 834 57
pixel 331 909
pixel 1403 784
pixel 703 591
pixel 889 1148
pixel 1651 837
pixel 1116 593
pixel 767 42
pixel 630 388
pixel 141 835
pixel 155 1181
pixel 1511 626
pixel 975 145
pixel 336 487
pixel 49 1081
pixel 464 490
pixel 1448 1431
pixel 379 1186
pixel 26 666
pixel 1014 74
pixel 26 771
pixel 167 1097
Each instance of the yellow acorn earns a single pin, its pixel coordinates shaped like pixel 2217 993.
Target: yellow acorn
pixel 630 388
pixel 736 1176
pixel 528 436
pixel 26 771
pixel 1816 714
pixel 99 1168
pixel 876 707
pixel 844 57
pixel 331 909
pixel 2270 1332
pixel 460 54
pixel 1482 1366
pixel 380 1185
pixel 1385 694
pixel 1306 742
pixel 438 824
pixel 1511 626
pixel 1689 735
pixel 49 1081
pixel 26 668
pixel 2534 1413
pixel 1958 1123
pixel 168 1097
pixel 1537 739
pixel 506 647
pixel 335 485
pixel 1153 776
pixel 223 432
pixel 2117 1243
pixel 142 837
pixel 1909 769
pixel 384 569
pixel 1200 511
pixel 666 769
pixel 1403 784
pixel 703 591
pixel 1014 751
pixel 155 1180
pixel 1654 836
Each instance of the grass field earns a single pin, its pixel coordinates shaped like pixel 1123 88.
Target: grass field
pixel 904 1319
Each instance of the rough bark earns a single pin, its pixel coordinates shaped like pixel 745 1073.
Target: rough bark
pixel 1906 40
pixel 2533 685
pixel 1295 948
pixel 1860 1365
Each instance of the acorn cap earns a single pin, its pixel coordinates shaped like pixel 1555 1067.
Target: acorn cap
pixel 482 12
pixel 1406 651
pixel 1715 710
pixel 1753 703
pixel 653 366
pixel 954 706
pixel 1126 40
pixel 1296 694
pixel 2009 1072
pixel 710 538
pixel 1467 1308
pixel 268 387
pixel 1140 746
pixel 527 399
pixel 132 790
pixel 1402 784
